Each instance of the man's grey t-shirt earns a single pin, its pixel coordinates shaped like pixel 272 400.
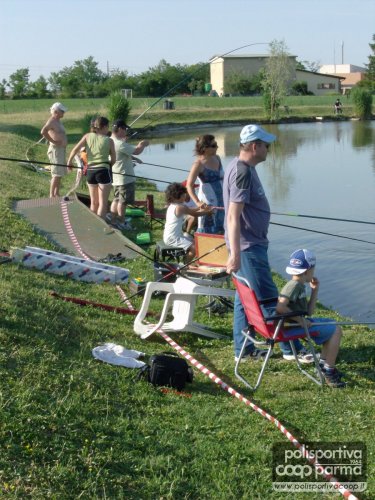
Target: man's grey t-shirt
pixel 242 185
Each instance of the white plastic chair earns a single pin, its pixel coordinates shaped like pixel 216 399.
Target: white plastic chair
pixel 181 297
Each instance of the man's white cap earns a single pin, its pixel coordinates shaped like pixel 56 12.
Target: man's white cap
pixel 252 133
pixel 57 106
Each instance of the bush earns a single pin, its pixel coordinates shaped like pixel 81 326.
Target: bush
pixel 299 88
pixel 119 107
pixel 362 100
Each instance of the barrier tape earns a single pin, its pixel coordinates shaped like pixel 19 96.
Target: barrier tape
pixel 69 230
pixel 305 452
pixel 223 385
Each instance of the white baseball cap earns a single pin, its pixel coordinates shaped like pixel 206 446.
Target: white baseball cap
pixel 252 133
pixel 57 106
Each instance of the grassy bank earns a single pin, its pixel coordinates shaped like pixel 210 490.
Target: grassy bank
pixel 187 109
pixel 72 427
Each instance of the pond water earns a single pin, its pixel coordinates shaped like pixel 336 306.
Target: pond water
pixel 316 169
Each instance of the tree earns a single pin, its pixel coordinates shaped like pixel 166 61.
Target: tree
pixel 239 83
pixel 19 83
pixel 308 65
pixel 79 79
pixel 3 86
pixel 300 88
pixel 278 75
pixel 370 75
pixel 362 100
pixel 39 88
pixel 118 107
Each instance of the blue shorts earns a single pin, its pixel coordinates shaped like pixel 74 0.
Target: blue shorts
pixel 325 332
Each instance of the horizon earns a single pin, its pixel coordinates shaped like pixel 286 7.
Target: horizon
pixel 140 33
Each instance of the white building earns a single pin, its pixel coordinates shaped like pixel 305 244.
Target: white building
pixel 249 65
pixel 350 73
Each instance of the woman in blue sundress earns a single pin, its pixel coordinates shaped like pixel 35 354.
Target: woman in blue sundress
pixel 208 171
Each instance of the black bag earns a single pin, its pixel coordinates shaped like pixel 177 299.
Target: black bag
pixel 167 369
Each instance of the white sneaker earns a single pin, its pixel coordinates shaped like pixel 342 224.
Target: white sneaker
pixel 303 356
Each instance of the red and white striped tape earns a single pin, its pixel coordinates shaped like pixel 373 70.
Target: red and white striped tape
pixel 69 229
pixel 305 452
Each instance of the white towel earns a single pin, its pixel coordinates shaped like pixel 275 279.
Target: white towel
pixel 115 354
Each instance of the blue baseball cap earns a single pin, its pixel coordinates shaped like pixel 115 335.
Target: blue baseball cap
pixel 252 133
pixel 300 261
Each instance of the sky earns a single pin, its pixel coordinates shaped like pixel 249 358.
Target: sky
pixel 134 35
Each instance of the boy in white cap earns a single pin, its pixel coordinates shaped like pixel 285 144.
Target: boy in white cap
pixel 55 134
pixel 293 298
pixel 247 217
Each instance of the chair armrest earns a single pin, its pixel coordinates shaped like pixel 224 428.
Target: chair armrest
pixel 291 314
pixel 268 301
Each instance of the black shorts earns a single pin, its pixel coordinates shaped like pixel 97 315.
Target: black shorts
pixel 99 175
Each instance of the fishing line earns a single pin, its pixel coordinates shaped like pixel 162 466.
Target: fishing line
pixel 191 75
pixel 291 214
pixel 74 167
pixel 322 232
pixel 164 166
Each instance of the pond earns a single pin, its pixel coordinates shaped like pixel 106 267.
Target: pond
pixel 314 170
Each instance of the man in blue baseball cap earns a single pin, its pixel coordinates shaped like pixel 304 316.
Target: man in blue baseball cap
pixel 246 226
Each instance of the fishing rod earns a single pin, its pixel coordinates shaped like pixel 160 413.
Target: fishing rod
pixel 164 166
pixel 221 208
pixel 322 232
pixel 292 214
pixel 172 269
pixel 343 323
pixel 74 167
pixel 190 76
pixel 84 302
pixel 35 167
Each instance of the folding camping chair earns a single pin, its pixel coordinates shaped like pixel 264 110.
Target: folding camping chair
pixel 264 321
pixel 181 298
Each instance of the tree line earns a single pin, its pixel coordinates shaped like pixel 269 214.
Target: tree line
pixel 85 79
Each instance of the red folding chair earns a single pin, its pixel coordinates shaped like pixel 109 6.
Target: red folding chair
pixel 266 323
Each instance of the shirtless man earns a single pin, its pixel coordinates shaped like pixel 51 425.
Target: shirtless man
pixel 55 134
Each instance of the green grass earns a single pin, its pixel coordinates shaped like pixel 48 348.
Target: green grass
pixel 72 427
pixel 187 109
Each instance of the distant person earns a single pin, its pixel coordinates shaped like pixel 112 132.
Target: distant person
pixel 175 196
pixel 208 169
pixel 54 132
pixel 293 298
pixel 101 155
pixel 123 174
pixel 338 106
